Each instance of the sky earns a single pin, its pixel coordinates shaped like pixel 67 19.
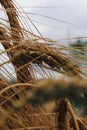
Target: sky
pixel 69 11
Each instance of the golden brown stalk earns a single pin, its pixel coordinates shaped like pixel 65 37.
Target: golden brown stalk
pixel 12 16
pixel 62 115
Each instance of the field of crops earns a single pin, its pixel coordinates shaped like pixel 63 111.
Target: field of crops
pixel 33 96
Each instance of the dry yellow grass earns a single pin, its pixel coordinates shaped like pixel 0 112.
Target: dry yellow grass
pixel 15 105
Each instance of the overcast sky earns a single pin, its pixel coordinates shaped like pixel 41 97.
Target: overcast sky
pixel 70 11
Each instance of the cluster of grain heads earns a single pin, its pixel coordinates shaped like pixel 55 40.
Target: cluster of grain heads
pixel 34 52
pixel 26 97
pixel 49 89
pixel 11 44
pixel 16 36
